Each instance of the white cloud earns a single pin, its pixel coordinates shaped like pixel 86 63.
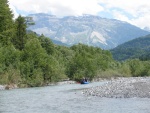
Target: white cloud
pixel 133 11
pixel 139 11
pixel 118 15
pixel 58 7
pixel 13 10
pixel 143 21
pixel 134 7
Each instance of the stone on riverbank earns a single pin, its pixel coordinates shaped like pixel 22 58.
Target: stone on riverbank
pixel 11 86
pixel 66 82
pixel 2 87
pixel 122 88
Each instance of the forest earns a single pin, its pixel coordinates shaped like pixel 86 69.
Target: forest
pixel 30 60
pixel 136 48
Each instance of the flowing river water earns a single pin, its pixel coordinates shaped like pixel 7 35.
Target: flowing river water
pixel 67 98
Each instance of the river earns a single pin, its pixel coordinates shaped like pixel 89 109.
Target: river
pixel 67 98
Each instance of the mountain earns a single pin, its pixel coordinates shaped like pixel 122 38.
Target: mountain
pixel 59 43
pixel 136 48
pixel 86 29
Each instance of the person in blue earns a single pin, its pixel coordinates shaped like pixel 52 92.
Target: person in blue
pixel 83 80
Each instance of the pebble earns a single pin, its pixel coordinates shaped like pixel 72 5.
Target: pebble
pixel 122 88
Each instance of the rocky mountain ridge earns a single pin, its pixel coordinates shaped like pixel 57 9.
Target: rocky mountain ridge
pixel 86 29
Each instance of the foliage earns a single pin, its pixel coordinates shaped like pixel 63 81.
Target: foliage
pixel 6 23
pixel 87 61
pixel 47 44
pixel 20 37
pixel 29 60
pixel 137 48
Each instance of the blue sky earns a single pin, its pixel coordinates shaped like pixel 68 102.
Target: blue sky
pixel 136 12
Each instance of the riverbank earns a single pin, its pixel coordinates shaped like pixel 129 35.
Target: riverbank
pixel 122 88
pixel 11 86
pixel 2 87
pixel 14 86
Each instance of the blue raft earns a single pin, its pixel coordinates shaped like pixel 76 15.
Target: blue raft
pixel 83 82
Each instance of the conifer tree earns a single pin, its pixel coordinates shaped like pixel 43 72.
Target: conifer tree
pixel 20 38
pixel 6 22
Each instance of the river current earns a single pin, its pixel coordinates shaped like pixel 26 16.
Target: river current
pixel 67 98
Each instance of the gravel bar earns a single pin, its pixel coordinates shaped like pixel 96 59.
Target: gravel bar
pixel 122 88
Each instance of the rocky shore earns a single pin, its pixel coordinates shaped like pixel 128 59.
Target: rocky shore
pixel 66 82
pixel 2 87
pixel 122 88
pixel 12 86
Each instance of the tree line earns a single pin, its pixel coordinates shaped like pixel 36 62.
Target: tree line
pixel 29 60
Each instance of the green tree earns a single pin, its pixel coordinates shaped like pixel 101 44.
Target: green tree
pixel 136 67
pixel 29 21
pixel 6 23
pixel 20 39
pixel 9 64
pixel 33 53
pixel 47 44
pixel 87 61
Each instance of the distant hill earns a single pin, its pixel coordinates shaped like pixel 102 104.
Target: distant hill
pixel 59 43
pixel 136 48
pixel 86 29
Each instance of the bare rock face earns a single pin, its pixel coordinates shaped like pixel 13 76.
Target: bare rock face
pixel 122 88
pixel 85 29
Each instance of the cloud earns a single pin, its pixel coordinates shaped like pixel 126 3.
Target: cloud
pixel 58 7
pixel 133 11
pixel 142 22
pixel 14 11
pixel 134 7
pixel 120 16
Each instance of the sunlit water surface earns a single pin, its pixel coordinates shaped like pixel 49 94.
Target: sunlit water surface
pixel 67 98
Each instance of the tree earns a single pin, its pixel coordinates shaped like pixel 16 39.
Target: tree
pixel 6 23
pixel 47 44
pixel 29 21
pixel 19 40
